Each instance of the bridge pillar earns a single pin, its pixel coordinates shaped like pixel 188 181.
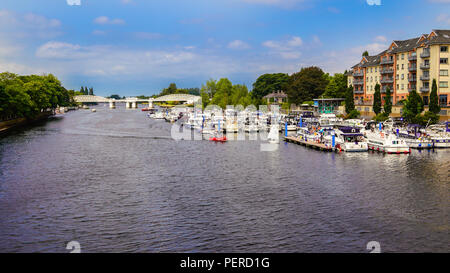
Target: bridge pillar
pixel 134 105
pixel 112 104
pixel 150 103
pixel 128 104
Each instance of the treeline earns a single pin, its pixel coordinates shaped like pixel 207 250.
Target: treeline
pixel 27 96
pixel 85 91
pixel 304 86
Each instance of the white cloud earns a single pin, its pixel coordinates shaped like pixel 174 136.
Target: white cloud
pixel 28 25
pixel 286 49
pixel 104 20
pixel 110 61
pixel 380 38
pixel 238 44
pixel 444 18
pixel 374 2
pixel 73 2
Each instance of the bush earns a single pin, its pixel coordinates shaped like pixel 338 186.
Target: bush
pixel 353 114
pixel 427 116
pixel 381 117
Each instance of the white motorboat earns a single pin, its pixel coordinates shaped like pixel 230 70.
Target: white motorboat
pixel 274 135
pixel 349 139
pixel 329 120
pixel 386 142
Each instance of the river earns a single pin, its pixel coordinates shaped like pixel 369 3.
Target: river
pixel 115 181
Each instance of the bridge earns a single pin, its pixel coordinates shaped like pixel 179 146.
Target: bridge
pixel 132 102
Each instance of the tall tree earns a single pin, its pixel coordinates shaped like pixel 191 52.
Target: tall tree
pixel 388 102
pixel 413 107
pixel 172 89
pixel 210 88
pixel 268 83
pixel 349 100
pixel 365 53
pixel 377 100
pixel 222 97
pixel 336 87
pixel 434 100
pixel 306 85
pixel 91 91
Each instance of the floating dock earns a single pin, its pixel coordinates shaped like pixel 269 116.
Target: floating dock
pixel 311 144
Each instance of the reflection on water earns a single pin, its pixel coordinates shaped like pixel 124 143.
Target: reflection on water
pixel 115 181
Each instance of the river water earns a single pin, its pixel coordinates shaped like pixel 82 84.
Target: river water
pixel 115 181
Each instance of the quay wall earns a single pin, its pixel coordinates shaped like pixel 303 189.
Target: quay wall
pixel 6 126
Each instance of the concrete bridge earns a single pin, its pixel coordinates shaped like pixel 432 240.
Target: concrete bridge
pixel 132 102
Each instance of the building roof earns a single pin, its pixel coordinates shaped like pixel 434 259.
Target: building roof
pixel 442 36
pixel 276 94
pixel 405 45
pixel 437 36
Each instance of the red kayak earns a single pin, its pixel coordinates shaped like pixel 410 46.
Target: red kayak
pixel 218 139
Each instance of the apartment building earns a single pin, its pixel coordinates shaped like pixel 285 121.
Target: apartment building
pixel 405 66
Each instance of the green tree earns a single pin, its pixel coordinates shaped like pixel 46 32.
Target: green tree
pixel 222 97
pixel 205 98
pixel 210 88
pixel 349 100
pixel 91 91
pixel 377 100
pixel 388 102
pixel 412 108
pixel 336 87
pixel 268 83
pixel 172 89
pixel 365 53
pixel 306 85
pixel 434 100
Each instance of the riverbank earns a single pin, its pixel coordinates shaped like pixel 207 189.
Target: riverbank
pixel 7 126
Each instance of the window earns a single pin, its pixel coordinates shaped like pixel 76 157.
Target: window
pixel 375 69
pixel 443 72
pixel 443 84
pixel 443 99
pixel 397 86
pixel 402 86
pixel 397 67
pixel 444 61
pixel 403 76
pixel 444 48
pixel 403 57
pixel 396 77
pixel 402 66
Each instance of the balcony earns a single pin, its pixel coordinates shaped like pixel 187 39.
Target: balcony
pixel 387 61
pixel 425 77
pixel 358 91
pixel 383 89
pixel 412 79
pixel 358 82
pixel 425 89
pixel 412 88
pixel 358 74
pixel 425 54
pixel 424 66
pixel 412 57
pixel 387 80
pixel 412 68
pixel 387 71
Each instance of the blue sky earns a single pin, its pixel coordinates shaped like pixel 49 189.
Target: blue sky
pixel 134 47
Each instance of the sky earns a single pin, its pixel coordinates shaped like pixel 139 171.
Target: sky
pixel 138 47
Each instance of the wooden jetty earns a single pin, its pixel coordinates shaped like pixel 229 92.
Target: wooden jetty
pixel 311 144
